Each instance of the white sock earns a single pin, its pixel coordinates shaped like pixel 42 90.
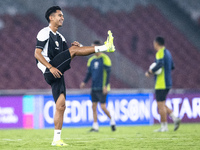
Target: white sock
pixel 112 121
pixel 102 48
pixel 164 125
pixel 172 116
pixel 95 126
pixel 57 135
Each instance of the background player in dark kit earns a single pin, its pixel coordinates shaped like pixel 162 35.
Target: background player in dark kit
pixel 99 68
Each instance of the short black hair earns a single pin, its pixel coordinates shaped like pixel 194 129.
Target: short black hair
pixel 97 42
pixel 50 11
pixel 160 40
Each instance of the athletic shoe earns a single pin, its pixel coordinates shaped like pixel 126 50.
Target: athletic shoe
pixel 93 130
pixel 177 124
pixel 161 130
pixel 59 143
pixel 109 42
pixel 113 127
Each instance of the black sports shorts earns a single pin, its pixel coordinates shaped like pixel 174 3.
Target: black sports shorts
pixel 161 95
pixel 62 63
pixel 98 96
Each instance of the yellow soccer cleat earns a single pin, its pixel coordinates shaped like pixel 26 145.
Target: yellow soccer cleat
pixel 109 42
pixel 59 143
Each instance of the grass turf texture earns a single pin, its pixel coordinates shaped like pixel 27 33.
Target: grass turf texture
pixel 125 138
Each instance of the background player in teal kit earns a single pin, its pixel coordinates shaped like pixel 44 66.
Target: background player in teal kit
pixel 163 82
pixel 99 68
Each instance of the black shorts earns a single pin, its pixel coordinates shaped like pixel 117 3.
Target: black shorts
pixel 62 63
pixel 161 95
pixel 98 96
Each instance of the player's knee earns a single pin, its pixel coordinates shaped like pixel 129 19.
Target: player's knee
pixel 161 107
pixel 61 108
pixel 160 110
pixel 64 107
pixel 103 106
pixel 94 107
pixel 161 104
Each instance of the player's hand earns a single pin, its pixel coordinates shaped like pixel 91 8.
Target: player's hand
pixel 75 43
pixel 105 90
pixel 82 85
pixel 56 73
pixel 147 74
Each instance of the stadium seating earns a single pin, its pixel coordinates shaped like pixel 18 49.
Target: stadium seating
pixel 17 39
pixel 134 33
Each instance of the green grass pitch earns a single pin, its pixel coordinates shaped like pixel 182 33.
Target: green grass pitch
pixel 125 138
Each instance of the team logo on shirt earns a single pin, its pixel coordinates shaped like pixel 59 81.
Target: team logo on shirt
pixel 96 65
pixel 57 44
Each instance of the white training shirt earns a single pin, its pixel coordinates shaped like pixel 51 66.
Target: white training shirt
pixel 51 44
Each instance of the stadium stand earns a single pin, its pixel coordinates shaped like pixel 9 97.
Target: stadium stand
pixel 138 30
pixel 191 7
pixel 17 47
pixel 105 6
pixel 134 24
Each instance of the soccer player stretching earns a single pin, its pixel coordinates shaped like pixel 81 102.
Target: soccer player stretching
pixel 53 59
pixel 99 67
pixel 163 83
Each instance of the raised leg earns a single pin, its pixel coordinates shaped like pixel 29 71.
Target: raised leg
pixel 81 51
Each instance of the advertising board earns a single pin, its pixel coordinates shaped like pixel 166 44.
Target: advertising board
pixel 127 109
pixel 185 106
pixel 11 115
